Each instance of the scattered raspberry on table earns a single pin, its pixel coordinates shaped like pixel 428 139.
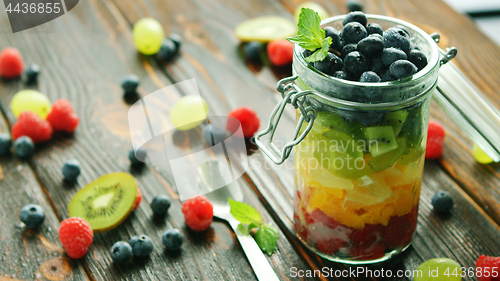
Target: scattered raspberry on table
pixel 76 236
pixel 63 117
pixel 198 213
pixel 435 140
pixel 11 63
pixel 248 119
pixel 280 52
pixel 138 199
pixel 491 265
pixel 31 125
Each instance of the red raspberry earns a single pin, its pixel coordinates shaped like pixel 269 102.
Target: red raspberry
pixel 329 246
pixel 367 235
pixel 29 124
pixel 280 52
pixel 368 252
pixel 318 216
pixel 248 119
pixel 435 140
pixel 63 117
pixel 138 199
pixel 490 265
pixel 11 63
pixel 76 236
pixel 399 230
pixel 300 229
pixel 198 213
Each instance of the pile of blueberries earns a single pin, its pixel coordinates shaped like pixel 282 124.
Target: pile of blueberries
pixel 366 53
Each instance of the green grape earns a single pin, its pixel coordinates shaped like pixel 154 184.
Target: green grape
pixel 480 155
pixel 30 100
pixel 188 112
pixel 148 35
pixel 323 14
pixel 439 269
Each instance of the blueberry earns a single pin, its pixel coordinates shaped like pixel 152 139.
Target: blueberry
pixel 386 77
pixel 418 59
pixel 414 46
pixel 442 201
pixel 355 64
pixel 330 64
pixel 5 143
pixel 374 28
pixel 340 75
pixel 32 216
pixel 32 73
pixel 404 29
pixel 168 50
pixel 24 147
pixel 160 205
pixel 177 39
pixel 378 66
pixel 71 170
pixel 307 53
pixel 353 32
pixel 397 38
pixel 130 83
pixel 390 55
pixel 356 16
pixel 213 135
pixel 335 35
pixel 141 245
pixel 121 252
pixel 402 68
pixel 137 158
pixel 369 77
pixel 371 46
pixel 172 239
pixel 377 36
pixel 354 5
pixel 253 50
pixel 347 49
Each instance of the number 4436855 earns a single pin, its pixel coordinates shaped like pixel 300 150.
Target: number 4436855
pixel 35 8
pixel 473 272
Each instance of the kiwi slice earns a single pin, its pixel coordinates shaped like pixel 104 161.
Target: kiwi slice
pixel 333 121
pixel 265 29
pixel 386 160
pixel 340 154
pixel 380 140
pixel 105 202
pixel 396 120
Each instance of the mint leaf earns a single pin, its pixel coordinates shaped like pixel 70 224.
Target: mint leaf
pixel 242 229
pixel 267 238
pixel 253 225
pixel 311 36
pixel 244 213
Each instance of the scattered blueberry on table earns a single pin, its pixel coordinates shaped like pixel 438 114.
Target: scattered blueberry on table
pixel 24 147
pixel 121 252
pixel 32 216
pixel 142 246
pixel 5 143
pixel 172 239
pixel 160 205
pixel 32 73
pixel 442 201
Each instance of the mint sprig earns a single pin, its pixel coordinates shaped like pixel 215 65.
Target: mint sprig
pixel 311 36
pixel 249 218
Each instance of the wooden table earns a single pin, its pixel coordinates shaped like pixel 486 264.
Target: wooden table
pixel 85 54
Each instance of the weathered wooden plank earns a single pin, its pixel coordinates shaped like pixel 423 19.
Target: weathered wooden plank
pixel 96 58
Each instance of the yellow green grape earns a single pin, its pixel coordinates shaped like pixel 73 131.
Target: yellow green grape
pixel 148 35
pixel 480 155
pixel 323 14
pixel 439 269
pixel 30 100
pixel 188 112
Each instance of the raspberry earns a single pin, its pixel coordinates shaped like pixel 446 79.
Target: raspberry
pixel 198 213
pixel 29 124
pixel 63 117
pixel 76 236
pixel 318 216
pixel 490 265
pixel 248 118
pixel 399 230
pixel 435 140
pixel 138 199
pixel 11 63
pixel 329 246
pixel 367 235
pixel 280 52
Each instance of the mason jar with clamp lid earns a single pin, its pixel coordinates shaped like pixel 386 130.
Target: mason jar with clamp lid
pixel 360 148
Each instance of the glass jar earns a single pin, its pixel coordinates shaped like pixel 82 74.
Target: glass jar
pixel 360 154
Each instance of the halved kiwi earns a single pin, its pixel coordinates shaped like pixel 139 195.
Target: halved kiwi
pixel 105 202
